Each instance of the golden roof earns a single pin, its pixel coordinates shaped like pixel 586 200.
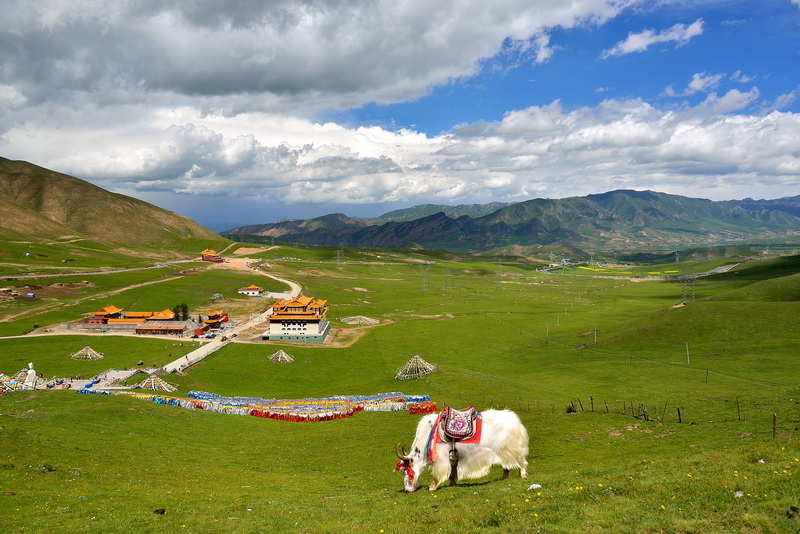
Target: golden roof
pixel 132 314
pixel 108 310
pixel 300 301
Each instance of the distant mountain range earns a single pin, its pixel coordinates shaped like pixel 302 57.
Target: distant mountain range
pixel 617 220
pixel 38 204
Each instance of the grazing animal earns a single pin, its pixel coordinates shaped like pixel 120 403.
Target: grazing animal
pixel 503 441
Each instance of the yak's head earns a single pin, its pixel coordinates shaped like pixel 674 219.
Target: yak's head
pixel 406 466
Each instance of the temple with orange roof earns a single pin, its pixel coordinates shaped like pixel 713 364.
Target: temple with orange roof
pixel 113 315
pixel 300 318
pixel 215 318
pixel 105 313
pixel 251 291
pixel 144 322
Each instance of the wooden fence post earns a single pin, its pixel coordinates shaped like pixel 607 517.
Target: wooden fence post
pixel 774 425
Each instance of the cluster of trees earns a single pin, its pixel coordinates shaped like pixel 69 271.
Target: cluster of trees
pixel 181 311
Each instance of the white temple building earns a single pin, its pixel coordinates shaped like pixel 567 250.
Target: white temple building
pixel 298 319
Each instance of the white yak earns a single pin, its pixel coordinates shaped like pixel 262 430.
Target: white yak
pixel 504 441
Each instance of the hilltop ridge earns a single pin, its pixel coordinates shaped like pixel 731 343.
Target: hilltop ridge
pixel 616 220
pixel 41 204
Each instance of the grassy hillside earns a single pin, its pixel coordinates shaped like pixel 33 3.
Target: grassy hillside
pixel 536 343
pixel 51 209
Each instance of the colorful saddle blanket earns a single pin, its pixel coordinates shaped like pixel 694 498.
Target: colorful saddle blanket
pixel 461 425
pixel 466 423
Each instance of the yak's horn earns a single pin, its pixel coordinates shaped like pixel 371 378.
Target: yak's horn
pixel 397 450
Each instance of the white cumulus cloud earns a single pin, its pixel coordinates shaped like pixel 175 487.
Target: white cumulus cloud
pixel 700 82
pixel 191 101
pixel 639 42
pixel 543 150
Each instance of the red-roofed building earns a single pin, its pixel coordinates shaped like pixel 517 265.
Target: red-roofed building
pixel 211 255
pixel 215 318
pixel 103 315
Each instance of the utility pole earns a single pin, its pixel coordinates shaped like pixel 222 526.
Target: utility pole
pixel 448 274
pixel 425 278
pixel 499 274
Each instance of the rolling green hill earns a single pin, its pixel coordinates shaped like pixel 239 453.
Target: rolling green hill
pixel 39 206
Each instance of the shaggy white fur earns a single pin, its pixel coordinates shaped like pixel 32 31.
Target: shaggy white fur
pixel 504 441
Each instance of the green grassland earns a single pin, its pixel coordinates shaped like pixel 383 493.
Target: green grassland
pixel 502 335
pixel 81 255
pixel 51 353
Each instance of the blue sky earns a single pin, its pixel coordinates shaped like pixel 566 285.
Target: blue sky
pixel 243 112
pixel 762 45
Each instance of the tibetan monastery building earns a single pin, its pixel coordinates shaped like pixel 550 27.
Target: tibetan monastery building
pixel 212 256
pixel 112 318
pixel 299 319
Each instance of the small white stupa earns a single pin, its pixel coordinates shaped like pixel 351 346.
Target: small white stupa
pixel 30 378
